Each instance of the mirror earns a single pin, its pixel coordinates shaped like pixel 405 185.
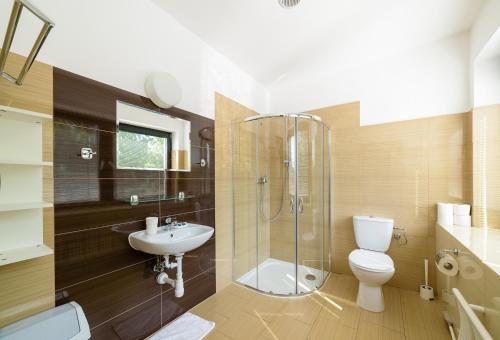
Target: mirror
pixel 151 140
pixel 486 135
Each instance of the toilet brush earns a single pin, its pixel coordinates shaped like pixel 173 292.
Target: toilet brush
pixel 426 291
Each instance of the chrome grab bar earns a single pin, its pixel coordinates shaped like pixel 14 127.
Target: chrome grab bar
pixel 469 322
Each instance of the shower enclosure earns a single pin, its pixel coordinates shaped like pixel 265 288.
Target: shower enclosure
pixel 281 203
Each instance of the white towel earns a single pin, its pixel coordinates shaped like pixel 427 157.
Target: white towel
pixel 187 327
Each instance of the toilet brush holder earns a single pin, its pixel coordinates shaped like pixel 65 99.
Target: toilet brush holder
pixel 426 292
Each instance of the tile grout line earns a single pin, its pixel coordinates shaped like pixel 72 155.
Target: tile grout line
pixel 75 125
pixel 126 311
pixel 402 312
pixel 130 178
pixel 119 224
pixel 116 270
pixel 98 276
pixel 158 295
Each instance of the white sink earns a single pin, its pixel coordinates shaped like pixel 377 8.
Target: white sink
pixel 171 242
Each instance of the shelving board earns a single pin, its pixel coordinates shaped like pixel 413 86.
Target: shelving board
pixel 13 113
pixel 21 254
pixel 24 206
pixel 24 163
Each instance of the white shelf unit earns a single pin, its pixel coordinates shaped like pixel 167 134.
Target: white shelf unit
pixel 24 206
pixel 15 162
pixel 12 113
pixel 21 185
pixel 23 254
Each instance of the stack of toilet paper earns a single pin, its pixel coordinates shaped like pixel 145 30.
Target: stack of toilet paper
pixel 461 215
pixel 454 214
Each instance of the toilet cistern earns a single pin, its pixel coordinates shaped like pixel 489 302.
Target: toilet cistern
pixel 371 266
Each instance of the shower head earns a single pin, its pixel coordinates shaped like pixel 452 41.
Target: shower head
pixel 288 3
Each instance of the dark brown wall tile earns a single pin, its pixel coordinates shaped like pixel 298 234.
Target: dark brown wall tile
pixel 68 163
pixel 87 254
pixel 204 217
pixel 82 101
pixel 94 190
pixel 85 102
pixel 74 217
pixel 90 203
pixel 107 296
pixel 199 193
pixel 196 290
pixel 197 261
pixel 95 266
pixel 135 324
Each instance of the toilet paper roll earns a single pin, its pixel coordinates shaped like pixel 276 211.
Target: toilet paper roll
pixel 446 264
pixel 468 269
pixel 462 221
pixel 461 209
pixel 445 214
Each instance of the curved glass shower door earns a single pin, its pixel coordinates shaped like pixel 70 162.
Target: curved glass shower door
pixel 310 210
pixel 280 210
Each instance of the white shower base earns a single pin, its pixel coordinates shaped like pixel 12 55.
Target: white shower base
pixel 278 277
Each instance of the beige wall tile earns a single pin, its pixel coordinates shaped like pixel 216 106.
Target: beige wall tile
pixel 227 112
pixel 36 92
pixel 399 170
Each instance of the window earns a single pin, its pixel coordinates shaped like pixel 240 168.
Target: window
pixel 142 148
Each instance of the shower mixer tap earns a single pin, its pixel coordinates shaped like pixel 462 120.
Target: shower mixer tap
pixel 262 180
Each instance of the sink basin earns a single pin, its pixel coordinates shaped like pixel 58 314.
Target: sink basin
pixel 171 242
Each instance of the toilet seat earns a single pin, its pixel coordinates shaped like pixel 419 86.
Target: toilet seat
pixel 372 261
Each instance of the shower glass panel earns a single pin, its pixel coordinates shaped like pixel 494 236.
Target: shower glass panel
pixel 310 183
pixel 281 202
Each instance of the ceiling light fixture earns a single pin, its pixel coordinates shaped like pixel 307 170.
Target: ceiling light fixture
pixel 288 3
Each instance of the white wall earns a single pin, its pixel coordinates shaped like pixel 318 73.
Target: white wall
pixel 119 42
pixel 487 82
pixel 485 74
pixel 427 81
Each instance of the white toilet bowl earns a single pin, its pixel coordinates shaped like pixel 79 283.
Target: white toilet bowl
pixel 372 269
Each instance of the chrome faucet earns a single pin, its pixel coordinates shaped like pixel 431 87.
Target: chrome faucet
pixel 171 223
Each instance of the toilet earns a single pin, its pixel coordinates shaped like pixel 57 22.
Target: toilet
pixel 371 266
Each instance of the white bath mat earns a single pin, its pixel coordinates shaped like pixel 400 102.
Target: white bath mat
pixel 187 327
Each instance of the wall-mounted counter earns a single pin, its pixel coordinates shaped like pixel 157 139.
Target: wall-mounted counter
pixel 479 272
pixel 484 243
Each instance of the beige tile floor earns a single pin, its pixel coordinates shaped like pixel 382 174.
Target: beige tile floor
pixel 331 313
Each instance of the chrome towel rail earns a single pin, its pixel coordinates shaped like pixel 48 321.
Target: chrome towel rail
pixel 9 37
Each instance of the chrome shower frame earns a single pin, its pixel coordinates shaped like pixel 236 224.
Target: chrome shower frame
pixel 326 141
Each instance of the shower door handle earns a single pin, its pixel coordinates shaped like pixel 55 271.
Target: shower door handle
pixel 300 205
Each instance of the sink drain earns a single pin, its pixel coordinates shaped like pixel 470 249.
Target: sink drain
pixel 310 277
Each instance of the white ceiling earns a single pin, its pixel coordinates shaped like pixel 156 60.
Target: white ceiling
pixel 268 41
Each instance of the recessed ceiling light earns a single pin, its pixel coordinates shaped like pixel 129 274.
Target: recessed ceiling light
pixel 288 3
